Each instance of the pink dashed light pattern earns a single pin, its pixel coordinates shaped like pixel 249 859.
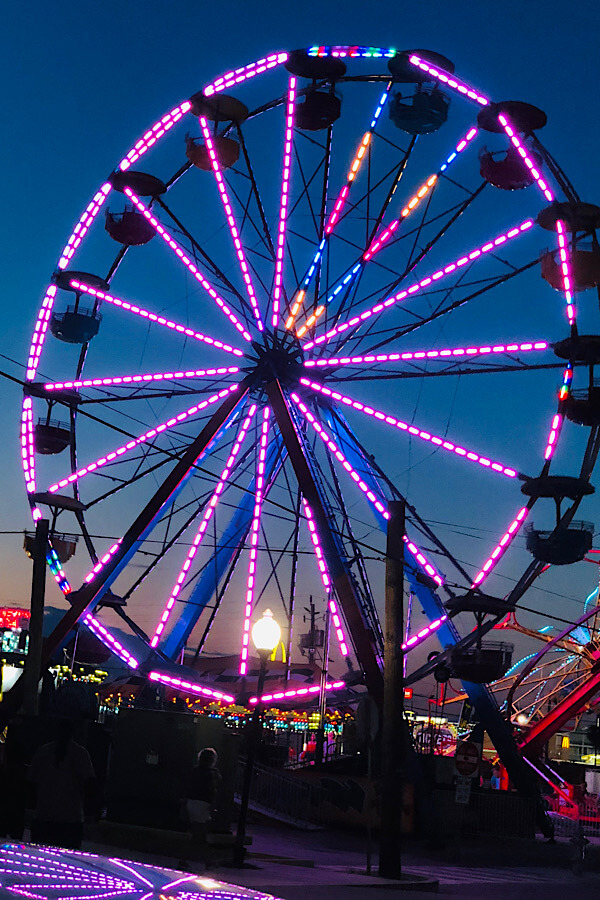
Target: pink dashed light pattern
pixel 455 352
pixel 250 71
pixel 565 269
pixel 82 227
pixel 109 641
pixel 333 447
pixel 410 429
pixel 191 267
pixel 254 532
pixel 298 692
pixel 385 235
pixel 423 562
pixel 516 142
pixel 449 80
pixel 285 197
pixel 235 236
pixel 39 334
pixel 501 547
pixel 192 687
pixel 424 633
pixel 208 512
pixel 102 562
pixel 154 134
pixel 425 282
pixel 335 616
pixel 152 317
pixel 118 380
pixel 27 445
pixel 148 436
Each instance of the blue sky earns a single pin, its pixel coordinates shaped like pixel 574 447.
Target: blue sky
pixel 83 81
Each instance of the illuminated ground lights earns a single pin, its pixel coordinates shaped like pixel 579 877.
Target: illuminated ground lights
pixel 262 298
pixel 49 873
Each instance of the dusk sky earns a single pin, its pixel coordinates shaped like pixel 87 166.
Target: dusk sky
pixel 83 80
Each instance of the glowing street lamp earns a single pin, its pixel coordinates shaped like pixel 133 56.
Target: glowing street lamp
pixel 266 635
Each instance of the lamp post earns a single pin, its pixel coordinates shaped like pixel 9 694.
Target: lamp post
pixel 266 634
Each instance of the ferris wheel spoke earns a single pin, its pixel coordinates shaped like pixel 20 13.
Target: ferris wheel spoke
pixel 239 249
pixel 254 538
pixel 377 241
pixel 152 317
pixel 370 359
pixel 186 261
pixel 210 508
pixel 284 202
pixel 337 210
pixel 411 429
pixel 146 437
pixel 126 380
pixel 376 310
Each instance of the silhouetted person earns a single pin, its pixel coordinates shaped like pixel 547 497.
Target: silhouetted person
pixel 60 772
pixel 201 797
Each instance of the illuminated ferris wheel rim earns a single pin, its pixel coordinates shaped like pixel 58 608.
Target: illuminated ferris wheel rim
pixel 278 345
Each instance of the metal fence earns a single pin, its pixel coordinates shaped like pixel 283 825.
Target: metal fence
pixel 286 796
pixel 574 818
pixel 496 813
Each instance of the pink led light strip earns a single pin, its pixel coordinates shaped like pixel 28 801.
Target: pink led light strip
pixel 191 267
pixel 154 134
pixel 298 692
pixel 337 623
pixel 333 219
pixel 208 512
pixel 148 436
pixel 426 354
pixel 152 317
pixel 179 684
pixel 514 138
pixel 333 447
pixel 246 72
pixel 27 445
pixel 235 236
pixel 109 641
pixel 449 80
pixel 565 268
pixel 90 621
pixel 82 227
pixel 283 206
pixel 39 334
pixel 410 429
pixel 423 562
pixel 102 562
pixel 501 547
pixel 254 531
pixel 424 633
pixel 118 380
pixel 425 282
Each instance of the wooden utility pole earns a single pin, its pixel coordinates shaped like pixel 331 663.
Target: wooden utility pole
pixel 392 744
pixel 32 672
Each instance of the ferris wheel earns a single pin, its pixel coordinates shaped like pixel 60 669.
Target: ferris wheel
pixel 320 271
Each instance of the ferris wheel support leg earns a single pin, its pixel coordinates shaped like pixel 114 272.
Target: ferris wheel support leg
pixel 486 708
pixel 342 582
pixel 84 599
pixel 229 543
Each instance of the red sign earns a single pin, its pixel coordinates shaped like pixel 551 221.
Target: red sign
pixel 467 758
pixel 408 693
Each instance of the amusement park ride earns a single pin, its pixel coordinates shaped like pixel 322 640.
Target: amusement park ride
pixel 278 274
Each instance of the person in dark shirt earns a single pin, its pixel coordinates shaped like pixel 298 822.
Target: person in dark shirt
pixel 201 797
pixel 61 771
